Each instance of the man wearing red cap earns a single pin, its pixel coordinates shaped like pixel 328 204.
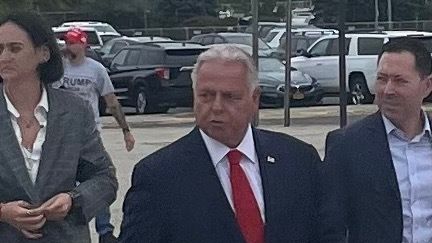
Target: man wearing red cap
pixel 89 79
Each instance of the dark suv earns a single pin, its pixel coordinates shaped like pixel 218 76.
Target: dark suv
pixel 155 76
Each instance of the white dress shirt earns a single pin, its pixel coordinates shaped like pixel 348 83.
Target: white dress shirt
pixel 249 164
pixel 31 157
pixel 412 160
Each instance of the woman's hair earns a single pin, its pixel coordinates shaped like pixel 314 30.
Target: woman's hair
pixel 40 35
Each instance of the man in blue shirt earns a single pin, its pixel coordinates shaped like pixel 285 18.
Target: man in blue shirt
pixel 379 170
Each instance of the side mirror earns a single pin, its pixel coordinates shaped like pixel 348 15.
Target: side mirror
pixel 107 61
pixel 113 67
pixel 303 52
pixel 99 52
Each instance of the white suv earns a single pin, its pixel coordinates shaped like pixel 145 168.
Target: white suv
pixel 105 31
pixel 321 61
pixel 94 39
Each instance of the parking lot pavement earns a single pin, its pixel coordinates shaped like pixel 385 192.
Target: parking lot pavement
pixel 152 132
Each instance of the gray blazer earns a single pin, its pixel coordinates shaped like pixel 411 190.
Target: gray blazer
pixel 72 152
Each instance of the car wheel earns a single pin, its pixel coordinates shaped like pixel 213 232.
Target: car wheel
pixel 141 102
pixel 359 92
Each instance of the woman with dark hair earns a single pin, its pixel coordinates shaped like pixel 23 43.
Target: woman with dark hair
pixel 48 142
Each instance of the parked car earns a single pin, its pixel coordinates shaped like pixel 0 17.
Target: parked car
pixel 154 77
pixel 265 27
pixel 321 61
pixel 233 38
pixel 94 39
pixel 105 30
pixel 276 36
pixel 111 47
pixel 304 89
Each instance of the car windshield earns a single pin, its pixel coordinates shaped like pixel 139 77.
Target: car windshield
pixel 270 36
pixel 107 46
pixel 246 40
pixel 92 37
pixel 106 38
pixel 270 65
pixel 103 28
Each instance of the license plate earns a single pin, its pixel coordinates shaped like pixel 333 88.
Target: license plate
pixel 298 96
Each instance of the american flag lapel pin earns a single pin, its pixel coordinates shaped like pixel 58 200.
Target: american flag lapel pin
pixel 270 159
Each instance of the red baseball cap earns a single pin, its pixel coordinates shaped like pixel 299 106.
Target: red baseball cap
pixel 75 36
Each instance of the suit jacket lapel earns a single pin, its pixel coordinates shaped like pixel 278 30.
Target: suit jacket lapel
pixel 54 136
pixel 11 150
pixel 201 169
pixel 381 154
pixel 267 169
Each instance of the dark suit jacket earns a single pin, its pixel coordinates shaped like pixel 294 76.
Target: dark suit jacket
pixel 72 151
pixel 363 199
pixel 176 195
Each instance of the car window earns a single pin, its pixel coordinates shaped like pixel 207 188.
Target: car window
pixel 103 28
pixel 301 43
pixel 263 32
pixel 370 46
pixel 270 65
pixel 117 47
pixel 132 58
pixel 218 40
pixel 246 40
pixel 107 46
pixel 311 40
pixel 92 37
pixel 106 38
pixel 119 59
pixel 152 57
pixel 333 48
pixel 208 40
pixel 182 57
pixel 270 36
pixel 320 48
pixel 196 39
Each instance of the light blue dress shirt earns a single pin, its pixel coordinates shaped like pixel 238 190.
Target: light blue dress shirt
pixel 412 160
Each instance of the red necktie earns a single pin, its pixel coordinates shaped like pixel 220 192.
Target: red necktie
pixel 246 207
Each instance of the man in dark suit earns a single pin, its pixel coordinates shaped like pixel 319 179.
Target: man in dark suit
pixel 225 181
pixel 379 170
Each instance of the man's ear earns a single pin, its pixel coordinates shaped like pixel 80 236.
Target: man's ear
pixel 44 54
pixel 428 86
pixel 256 95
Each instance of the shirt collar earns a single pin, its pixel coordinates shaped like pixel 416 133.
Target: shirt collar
pixel 218 150
pixel 43 103
pixel 390 127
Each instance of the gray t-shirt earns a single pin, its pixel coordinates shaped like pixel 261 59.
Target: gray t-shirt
pixel 89 80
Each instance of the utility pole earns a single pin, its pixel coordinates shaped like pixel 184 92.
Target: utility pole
pixel 389 14
pixel 376 14
pixel 342 65
pixel 254 4
pixel 287 111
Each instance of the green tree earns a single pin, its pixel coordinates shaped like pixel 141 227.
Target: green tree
pixel 175 12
